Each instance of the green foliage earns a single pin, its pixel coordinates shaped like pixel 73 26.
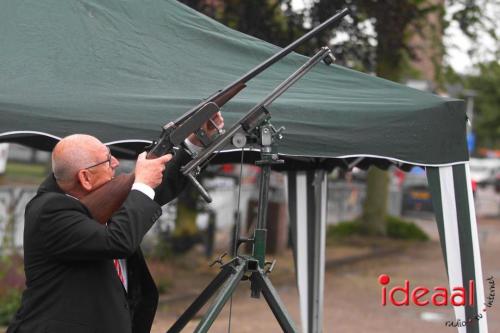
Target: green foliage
pixel 164 285
pixel 400 229
pixel 186 220
pixel 270 20
pixel 344 230
pixel 486 122
pixel 243 16
pixel 11 285
pixel 386 49
pixel 453 78
pixel 25 172
pixel 487 104
pixel 471 16
pixel 397 228
pixel 162 250
pixel 10 300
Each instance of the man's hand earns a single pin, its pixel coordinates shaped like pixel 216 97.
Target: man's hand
pixel 150 171
pixel 209 128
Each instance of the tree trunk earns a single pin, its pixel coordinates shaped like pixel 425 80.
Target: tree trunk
pixel 373 218
pixel 390 61
pixel 374 214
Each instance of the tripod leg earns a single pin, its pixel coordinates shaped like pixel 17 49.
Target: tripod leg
pixel 273 300
pixel 221 299
pixel 203 298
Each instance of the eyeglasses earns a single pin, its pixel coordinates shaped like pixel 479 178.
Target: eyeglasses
pixel 108 160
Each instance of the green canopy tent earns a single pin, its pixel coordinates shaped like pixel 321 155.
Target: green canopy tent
pixel 121 69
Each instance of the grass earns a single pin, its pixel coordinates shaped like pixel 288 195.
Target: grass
pixel 26 173
pixel 11 286
pixel 397 228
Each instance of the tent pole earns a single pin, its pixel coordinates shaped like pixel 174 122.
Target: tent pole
pixel 455 215
pixel 307 197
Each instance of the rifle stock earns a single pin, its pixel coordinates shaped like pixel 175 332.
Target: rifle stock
pixel 107 199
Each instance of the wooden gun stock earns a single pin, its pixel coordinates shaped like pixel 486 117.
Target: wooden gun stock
pixel 107 199
pixel 223 99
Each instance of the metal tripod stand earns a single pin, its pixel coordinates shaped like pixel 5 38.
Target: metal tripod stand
pixel 255 126
pixel 252 267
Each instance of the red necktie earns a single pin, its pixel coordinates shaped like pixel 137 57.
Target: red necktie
pixel 119 270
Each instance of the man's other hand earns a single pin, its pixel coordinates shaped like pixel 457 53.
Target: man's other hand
pixel 150 171
pixel 209 128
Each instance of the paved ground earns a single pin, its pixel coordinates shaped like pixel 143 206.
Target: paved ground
pixel 352 293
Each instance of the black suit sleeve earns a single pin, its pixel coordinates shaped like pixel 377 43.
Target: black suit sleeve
pixel 70 234
pixel 173 180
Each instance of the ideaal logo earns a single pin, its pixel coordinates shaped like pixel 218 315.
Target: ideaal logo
pixel 418 296
pixel 439 296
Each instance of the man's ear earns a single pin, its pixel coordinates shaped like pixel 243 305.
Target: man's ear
pixel 84 178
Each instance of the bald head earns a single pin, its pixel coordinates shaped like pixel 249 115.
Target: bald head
pixel 73 153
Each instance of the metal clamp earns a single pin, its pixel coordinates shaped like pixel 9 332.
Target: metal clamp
pixel 218 260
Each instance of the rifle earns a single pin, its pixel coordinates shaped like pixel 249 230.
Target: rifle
pixel 104 201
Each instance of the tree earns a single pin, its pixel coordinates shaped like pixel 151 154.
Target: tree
pixel 487 104
pixel 390 49
pixel 271 20
pixel 387 56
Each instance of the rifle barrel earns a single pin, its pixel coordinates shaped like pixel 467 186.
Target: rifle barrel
pixel 266 64
pixel 278 91
pixel 263 66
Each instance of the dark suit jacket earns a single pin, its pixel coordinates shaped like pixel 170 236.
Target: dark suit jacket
pixel 71 282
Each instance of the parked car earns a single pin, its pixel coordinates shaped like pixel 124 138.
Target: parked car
pixel 484 170
pixel 416 195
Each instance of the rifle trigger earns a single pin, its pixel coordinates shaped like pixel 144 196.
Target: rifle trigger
pixel 151 145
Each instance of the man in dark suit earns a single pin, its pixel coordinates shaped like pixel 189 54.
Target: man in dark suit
pixel 73 283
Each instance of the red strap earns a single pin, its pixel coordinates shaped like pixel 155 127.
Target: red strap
pixel 119 270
